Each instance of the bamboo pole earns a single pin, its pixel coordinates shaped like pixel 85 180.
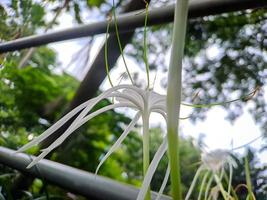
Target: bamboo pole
pixel 72 179
pixel 130 21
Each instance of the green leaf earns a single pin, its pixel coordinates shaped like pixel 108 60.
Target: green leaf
pixel 77 13
pixel 37 14
pixel 95 3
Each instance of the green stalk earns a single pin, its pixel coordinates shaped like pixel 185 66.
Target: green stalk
pixel 145 48
pixel 146 159
pixel 248 180
pixel 174 95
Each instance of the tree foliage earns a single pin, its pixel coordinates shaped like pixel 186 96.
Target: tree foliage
pixel 225 59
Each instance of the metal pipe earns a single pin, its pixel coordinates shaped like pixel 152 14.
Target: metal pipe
pixel 130 21
pixel 71 179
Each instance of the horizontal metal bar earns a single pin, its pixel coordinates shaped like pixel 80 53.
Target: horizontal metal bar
pixel 71 179
pixel 130 21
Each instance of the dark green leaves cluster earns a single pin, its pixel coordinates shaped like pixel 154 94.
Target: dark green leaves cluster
pixel 31 98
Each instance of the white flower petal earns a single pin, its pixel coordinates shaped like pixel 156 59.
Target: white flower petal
pixel 156 98
pixel 54 127
pixel 230 178
pixel 101 110
pixel 161 112
pixel 151 169
pixel 87 106
pixel 116 145
pixel 40 157
pixel 215 159
pixel 164 183
pixel 193 183
pixel 136 96
pixel 59 140
pixel 208 187
pixel 202 185
pixel 158 107
pixel 126 98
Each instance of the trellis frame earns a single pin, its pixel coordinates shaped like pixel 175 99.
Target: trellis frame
pixel 132 20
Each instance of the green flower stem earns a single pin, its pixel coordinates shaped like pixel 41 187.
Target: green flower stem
pixel 145 47
pixel 174 94
pixel 146 159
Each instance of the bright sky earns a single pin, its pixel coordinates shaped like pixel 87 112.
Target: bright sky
pixel 219 133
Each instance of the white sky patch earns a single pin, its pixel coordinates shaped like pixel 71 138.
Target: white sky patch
pixel 213 52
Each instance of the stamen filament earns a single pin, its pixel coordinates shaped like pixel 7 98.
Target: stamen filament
pixel 106 55
pixel 119 42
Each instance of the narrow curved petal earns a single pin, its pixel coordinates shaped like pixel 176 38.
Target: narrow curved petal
pixel 202 185
pixel 59 140
pixel 86 107
pixel 164 183
pixel 101 110
pixel 193 183
pixel 220 186
pixel 159 107
pixel 161 112
pixel 40 157
pixel 208 187
pixel 116 145
pixel 157 98
pixel 54 127
pixel 230 178
pixel 123 98
pixel 130 87
pixel 151 169
pixel 136 97
pixel 222 173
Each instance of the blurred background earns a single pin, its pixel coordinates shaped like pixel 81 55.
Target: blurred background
pixel 225 59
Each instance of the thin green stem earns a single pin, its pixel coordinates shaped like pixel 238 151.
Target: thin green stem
pixel 145 47
pixel 174 94
pixel 146 159
pixel 119 42
pixel 244 98
pixel 106 56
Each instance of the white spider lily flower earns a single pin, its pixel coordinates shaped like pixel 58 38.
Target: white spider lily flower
pixel 213 164
pixel 142 101
pixel 215 160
